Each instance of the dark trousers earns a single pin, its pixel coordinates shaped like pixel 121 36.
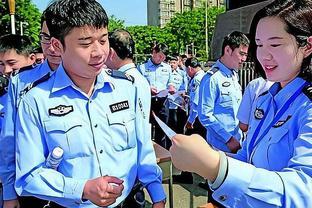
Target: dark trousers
pixel 198 129
pixel 158 107
pixel 136 198
pixel 32 202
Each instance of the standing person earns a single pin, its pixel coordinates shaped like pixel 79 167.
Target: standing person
pixel 121 54
pixel 157 74
pixel 91 114
pixel 273 169
pixel 220 95
pixel 254 89
pixel 20 81
pixel 193 125
pixel 177 87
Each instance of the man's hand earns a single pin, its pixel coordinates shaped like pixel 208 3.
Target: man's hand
pixel 154 90
pixel 11 204
pixel 159 205
pixel 171 89
pixel 233 145
pixel 103 191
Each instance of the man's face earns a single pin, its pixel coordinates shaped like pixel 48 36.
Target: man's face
pixel 85 52
pixel 237 56
pixel 174 64
pixel 48 51
pixel 11 61
pixel 158 57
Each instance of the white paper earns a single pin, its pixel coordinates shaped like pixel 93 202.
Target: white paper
pixel 168 131
pixel 162 93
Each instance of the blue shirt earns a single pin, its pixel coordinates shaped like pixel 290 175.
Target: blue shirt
pixel 220 96
pixel 281 171
pixel 17 83
pixel 156 75
pixel 3 99
pixel 179 81
pixel 142 85
pixel 254 88
pixel 106 131
pixel 194 95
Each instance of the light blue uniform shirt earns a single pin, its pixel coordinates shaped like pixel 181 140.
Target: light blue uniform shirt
pixel 254 88
pixel 179 81
pixel 3 99
pixel 194 95
pixel 219 98
pixel 101 135
pixel 144 91
pixel 17 83
pixel 156 75
pixel 281 174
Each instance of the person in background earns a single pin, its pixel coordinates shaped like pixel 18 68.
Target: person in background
pixel 157 74
pixel 220 95
pixel 273 168
pixel 15 53
pixel 92 114
pixel 20 81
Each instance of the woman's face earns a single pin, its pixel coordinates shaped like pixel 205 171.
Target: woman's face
pixel 277 51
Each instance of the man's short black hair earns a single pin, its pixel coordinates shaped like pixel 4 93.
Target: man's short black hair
pixel 122 42
pixel 64 15
pixel 192 62
pixel 234 40
pixel 161 47
pixel 20 43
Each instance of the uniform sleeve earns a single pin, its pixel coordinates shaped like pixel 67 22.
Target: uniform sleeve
pixel 149 173
pixel 245 106
pixel 33 178
pixel 257 187
pixel 207 98
pixel 7 144
pixel 194 103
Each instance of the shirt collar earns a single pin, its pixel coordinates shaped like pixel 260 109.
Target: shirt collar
pixel 282 95
pixel 126 67
pixel 223 68
pixel 62 80
pixel 150 63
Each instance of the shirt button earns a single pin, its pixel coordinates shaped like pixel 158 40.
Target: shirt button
pixel 101 151
pixel 95 125
pixel 223 198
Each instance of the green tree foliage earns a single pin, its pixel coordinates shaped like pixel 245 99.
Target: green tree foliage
pixel 115 23
pixel 189 29
pixel 25 11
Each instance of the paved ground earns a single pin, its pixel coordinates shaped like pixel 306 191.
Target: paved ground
pixel 186 195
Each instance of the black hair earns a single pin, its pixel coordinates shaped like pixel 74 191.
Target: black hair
pixel 122 42
pixel 192 62
pixel 38 50
pixel 20 43
pixel 234 40
pixel 161 47
pixel 297 15
pixel 64 15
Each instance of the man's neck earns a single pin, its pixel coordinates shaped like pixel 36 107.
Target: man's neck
pixel 224 61
pixel 121 63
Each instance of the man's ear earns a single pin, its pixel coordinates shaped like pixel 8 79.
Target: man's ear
pixel 307 49
pixel 112 54
pixel 228 50
pixel 32 58
pixel 57 46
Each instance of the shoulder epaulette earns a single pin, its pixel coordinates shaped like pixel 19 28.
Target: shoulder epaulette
pixel 26 68
pixel 35 83
pixel 120 75
pixel 264 93
pixel 307 90
pixel 213 70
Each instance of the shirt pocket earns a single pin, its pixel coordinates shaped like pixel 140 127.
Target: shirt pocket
pixel 279 149
pixel 225 98
pixel 122 131
pixel 70 134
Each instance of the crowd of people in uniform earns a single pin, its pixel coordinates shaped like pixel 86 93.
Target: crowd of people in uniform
pixel 84 95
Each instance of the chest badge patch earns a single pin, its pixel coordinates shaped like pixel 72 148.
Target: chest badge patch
pixel 226 84
pixel 259 113
pixel 281 123
pixel 119 106
pixel 61 110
